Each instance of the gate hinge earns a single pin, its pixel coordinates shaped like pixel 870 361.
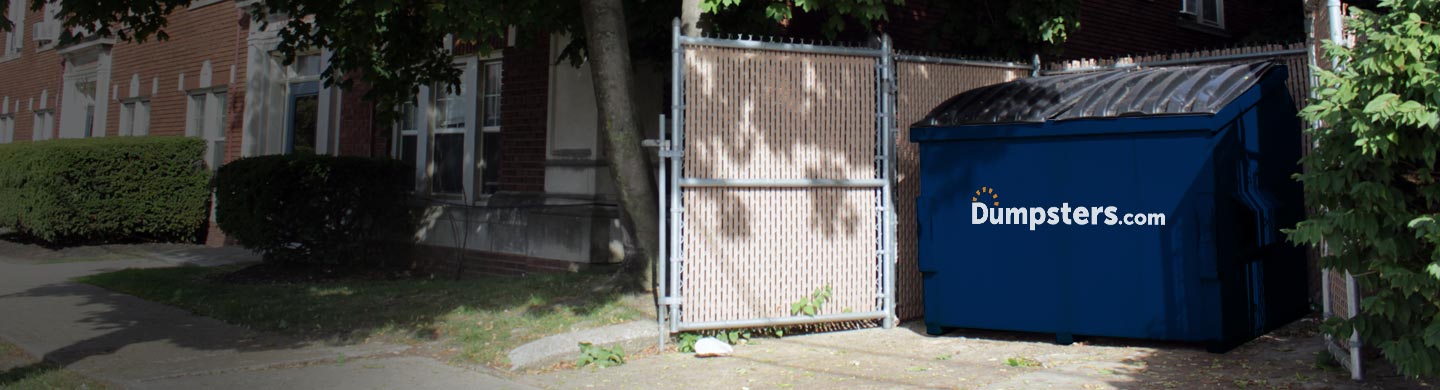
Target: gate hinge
pixel 672 153
pixel 670 301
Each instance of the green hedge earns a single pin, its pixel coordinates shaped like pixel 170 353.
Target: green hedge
pixel 310 208
pixel 105 189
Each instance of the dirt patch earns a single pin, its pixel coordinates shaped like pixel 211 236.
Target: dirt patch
pixel 969 359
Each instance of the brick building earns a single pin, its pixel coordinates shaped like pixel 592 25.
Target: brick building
pixel 1111 28
pixel 510 167
pixel 513 156
pixel 188 85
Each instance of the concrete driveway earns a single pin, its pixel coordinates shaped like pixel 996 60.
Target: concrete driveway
pixel 133 343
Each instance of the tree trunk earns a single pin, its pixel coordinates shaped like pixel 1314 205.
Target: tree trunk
pixel 609 57
pixel 690 18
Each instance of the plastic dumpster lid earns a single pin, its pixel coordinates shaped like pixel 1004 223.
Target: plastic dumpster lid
pixel 1107 94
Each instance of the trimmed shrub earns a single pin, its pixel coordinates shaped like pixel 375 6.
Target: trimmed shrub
pixel 1374 183
pixel 306 208
pixel 105 189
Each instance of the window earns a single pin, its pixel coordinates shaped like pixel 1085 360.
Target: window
pixel 86 100
pixel 448 141
pixel 205 118
pixel 15 38
pixel 1206 12
pixel 7 129
pixel 447 127
pixel 44 125
pixel 302 122
pixel 490 142
pixel 407 135
pixel 135 117
pixel 47 31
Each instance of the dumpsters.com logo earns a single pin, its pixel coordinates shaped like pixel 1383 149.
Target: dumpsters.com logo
pixel 985 209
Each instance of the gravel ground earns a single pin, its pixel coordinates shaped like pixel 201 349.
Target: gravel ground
pixel 907 358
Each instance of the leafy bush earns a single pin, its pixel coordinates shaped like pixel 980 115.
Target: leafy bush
pixel 1372 180
pixel 600 356
pixel 105 189
pixel 308 208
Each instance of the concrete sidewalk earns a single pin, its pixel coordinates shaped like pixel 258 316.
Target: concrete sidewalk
pixel 135 343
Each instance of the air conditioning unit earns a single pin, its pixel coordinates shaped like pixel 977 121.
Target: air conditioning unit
pixel 47 31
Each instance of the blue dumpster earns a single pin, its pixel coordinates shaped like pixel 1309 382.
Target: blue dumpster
pixel 1135 203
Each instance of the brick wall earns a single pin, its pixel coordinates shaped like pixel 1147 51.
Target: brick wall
pixel 523 111
pixel 358 134
pixel 23 79
pixel 1117 27
pixel 214 33
pixel 1107 27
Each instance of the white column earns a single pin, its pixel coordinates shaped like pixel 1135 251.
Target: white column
pixel 470 80
pixel 324 133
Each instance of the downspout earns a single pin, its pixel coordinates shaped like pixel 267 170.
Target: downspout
pixel 1335 16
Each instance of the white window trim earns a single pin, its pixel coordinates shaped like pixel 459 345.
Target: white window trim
pixel 7 128
pixel 15 38
pixel 128 109
pixel 292 77
pixel 1198 11
pixel 213 117
pixel 197 4
pixel 44 125
pixel 483 93
pixel 471 77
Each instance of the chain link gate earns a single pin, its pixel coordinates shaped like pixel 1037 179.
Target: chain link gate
pixel 775 184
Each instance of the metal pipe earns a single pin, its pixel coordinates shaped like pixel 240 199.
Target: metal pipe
pixel 692 182
pixel 660 258
pixel 1352 308
pixel 1182 61
pixel 677 114
pixel 1352 298
pixel 764 322
pixel 780 46
pixel 1035 61
pixel 952 61
pixel 888 165
pixel 1335 16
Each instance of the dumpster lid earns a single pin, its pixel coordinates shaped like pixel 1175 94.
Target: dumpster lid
pixel 1108 94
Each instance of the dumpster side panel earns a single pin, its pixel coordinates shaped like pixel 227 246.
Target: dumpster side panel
pixel 1101 278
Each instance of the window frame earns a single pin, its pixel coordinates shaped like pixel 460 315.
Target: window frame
pixel 15 38
pixel 442 100
pixel 7 128
pixel 43 128
pixel 135 117
pixel 205 117
pixel 427 127
pixel 1196 10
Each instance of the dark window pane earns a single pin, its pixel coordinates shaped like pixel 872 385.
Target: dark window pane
pixel 304 122
pixel 491 175
pixel 1211 13
pixel 408 152
pixel 449 160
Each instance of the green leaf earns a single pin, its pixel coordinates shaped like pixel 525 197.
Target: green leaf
pixel 1380 103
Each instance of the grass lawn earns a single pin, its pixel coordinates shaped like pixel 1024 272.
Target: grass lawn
pixel 475 320
pixel 21 372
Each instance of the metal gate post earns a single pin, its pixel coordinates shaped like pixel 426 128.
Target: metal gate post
pixel 660 258
pixel 888 224
pixel 677 118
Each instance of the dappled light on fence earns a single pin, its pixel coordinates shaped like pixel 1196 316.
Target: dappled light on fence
pixel 751 252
